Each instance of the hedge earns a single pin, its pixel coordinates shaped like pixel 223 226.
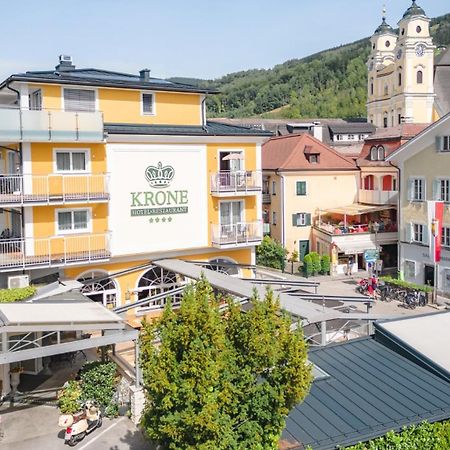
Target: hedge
pixel 406 284
pixel 16 294
pixel 424 436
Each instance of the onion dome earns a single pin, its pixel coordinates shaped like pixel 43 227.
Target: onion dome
pixel 384 28
pixel 413 11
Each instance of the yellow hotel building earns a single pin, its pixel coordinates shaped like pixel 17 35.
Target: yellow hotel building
pixel 102 173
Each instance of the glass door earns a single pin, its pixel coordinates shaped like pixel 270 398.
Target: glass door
pixel 231 218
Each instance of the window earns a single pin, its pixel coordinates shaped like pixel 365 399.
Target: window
pixel 231 213
pixel 351 137
pixel 410 270
pixel 371 88
pixel 274 218
pixel 313 158
pixel 380 151
pixel 79 100
pixel 418 234
pixel 417 190
pixel 373 153
pixel 274 188
pixel 265 187
pixel 385 122
pixel 362 137
pixel 301 220
pixel 71 161
pixel 73 221
pixel 148 106
pixel 35 100
pixel 399 118
pixel 441 190
pixel 443 143
pixel 339 137
pixel 445 237
pixel 301 187
pixel 386 90
pixel 419 77
pixel 399 79
pixel 418 29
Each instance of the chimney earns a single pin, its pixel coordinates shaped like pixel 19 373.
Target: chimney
pixel 144 74
pixel 65 63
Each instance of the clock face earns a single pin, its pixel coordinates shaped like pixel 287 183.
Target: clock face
pixel 420 50
pixel 399 53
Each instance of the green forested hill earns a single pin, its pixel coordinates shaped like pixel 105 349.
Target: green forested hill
pixel 331 83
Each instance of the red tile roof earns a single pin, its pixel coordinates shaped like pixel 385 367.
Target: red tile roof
pixel 291 153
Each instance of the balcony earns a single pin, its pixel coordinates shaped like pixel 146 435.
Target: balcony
pixel 378 197
pixel 239 234
pixel 230 183
pixel 20 125
pixel 53 189
pixel 22 253
pixel 266 198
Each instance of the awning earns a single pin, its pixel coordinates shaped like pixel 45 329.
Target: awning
pixel 356 209
pixel 352 248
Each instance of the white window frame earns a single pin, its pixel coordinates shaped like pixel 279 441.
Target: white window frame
pixel 301 219
pixel 242 202
pixel 87 152
pixel 83 88
pixel 439 196
pixel 446 236
pixel 73 231
pixel 152 93
pixel 420 232
pixel 424 185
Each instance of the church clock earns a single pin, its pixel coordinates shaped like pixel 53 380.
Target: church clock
pixel 420 50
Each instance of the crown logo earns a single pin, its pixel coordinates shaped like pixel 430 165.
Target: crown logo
pixel 159 177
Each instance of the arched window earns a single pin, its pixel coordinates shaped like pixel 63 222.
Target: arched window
pixel 400 78
pixel 373 153
pixel 222 265
pixel 99 287
pixel 371 86
pixel 386 89
pixel 157 280
pixel 419 77
pixel 380 151
pixel 369 183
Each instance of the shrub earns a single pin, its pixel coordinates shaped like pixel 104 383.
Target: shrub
pixel 316 266
pixel 326 264
pixel 98 382
pixel 307 265
pixel 424 436
pixel 16 294
pixel 270 253
pixel 406 284
pixel 69 398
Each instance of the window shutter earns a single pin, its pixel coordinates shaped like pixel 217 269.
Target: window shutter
pixel 426 237
pixel 439 143
pixel 307 220
pixel 436 189
pixel 408 232
pixel 79 100
pixel 410 189
pixel 295 220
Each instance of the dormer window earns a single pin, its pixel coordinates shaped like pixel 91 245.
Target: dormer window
pixel 313 158
pixel 377 153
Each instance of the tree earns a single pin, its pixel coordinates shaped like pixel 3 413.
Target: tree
pixel 270 253
pixel 221 380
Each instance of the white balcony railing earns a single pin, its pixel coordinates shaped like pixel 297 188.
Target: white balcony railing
pixel 53 188
pixel 238 233
pixel 241 181
pixel 50 125
pixel 378 197
pixel 53 251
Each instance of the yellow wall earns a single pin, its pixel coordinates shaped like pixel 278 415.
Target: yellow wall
pixel 429 164
pixel 42 162
pixel 129 281
pixel 324 190
pixel 124 105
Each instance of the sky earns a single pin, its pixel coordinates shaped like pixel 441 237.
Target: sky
pixel 189 38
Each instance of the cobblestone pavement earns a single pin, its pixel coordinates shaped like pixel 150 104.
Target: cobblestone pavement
pixel 346 287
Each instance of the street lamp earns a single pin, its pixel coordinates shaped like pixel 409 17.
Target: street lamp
pixel 376 228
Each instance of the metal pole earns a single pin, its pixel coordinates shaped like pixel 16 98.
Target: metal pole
pixel 436 279
pixel 136 363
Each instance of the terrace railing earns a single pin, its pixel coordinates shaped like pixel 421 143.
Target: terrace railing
pixel 241 181
pixel 242 233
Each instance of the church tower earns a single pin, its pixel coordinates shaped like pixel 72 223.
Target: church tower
pixel 402 78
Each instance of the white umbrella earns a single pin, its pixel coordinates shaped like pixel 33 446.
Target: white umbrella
pixel 233 156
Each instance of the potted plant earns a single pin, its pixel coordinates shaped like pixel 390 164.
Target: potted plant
pixel 307 266
pixel 293 259
pixel 15 378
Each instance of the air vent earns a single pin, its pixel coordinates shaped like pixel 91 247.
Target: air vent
pixel 18 281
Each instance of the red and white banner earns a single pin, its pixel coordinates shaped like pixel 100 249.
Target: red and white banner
pixel 435 216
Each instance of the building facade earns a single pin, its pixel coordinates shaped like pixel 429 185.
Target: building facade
pixel 424 177
pixel 401 72
pixel 104 172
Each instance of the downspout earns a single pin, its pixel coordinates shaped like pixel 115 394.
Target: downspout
pixel 398 218
pixel 22 209
pixel 283 224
